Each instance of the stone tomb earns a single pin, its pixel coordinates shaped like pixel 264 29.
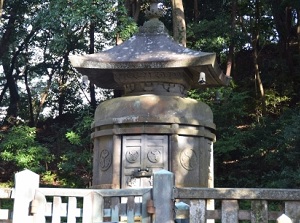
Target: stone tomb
pixel 153 125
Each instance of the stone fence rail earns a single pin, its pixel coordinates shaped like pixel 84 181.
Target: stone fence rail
pixel 164 203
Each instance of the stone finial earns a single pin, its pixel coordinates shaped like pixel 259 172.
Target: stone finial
pixel 283 219
pixel 154 25
pixel 157 9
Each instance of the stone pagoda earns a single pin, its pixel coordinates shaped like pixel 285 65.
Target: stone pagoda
pixel 153 125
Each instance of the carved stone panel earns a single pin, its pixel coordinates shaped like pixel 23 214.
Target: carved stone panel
pixel 142 155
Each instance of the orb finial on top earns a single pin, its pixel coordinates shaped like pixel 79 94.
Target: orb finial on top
pixel 157 9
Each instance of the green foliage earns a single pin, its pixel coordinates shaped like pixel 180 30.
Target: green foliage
pixel 272 144
pixel 127 29
pixel 209 35
pixel 275 103
pixel 19 146
pixel 230 107
pixel 6 184
pixel 74 19
pixel 248 152
pixel 74 161
pixel 73 138
pixel 48 177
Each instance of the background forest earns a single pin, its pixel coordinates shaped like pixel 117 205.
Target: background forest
pixel 46 108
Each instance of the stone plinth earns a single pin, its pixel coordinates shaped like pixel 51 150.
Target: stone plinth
pixel 167 132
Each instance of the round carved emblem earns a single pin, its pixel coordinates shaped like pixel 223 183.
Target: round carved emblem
pixel 132 156
pixel 105 159
pixel 188 159
pixel 154 155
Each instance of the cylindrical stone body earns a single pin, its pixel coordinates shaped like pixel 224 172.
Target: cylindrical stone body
pixel 165 132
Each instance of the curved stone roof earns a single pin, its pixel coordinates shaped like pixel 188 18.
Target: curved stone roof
pixel 150 49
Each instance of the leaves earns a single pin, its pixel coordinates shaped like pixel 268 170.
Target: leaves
pixel 19 145
pixel 73 138
pixel 37 37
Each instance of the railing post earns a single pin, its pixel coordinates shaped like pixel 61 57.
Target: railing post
pixel 283 219
pixel 230 210
pixel 163 183
pixel 292 209
pixel 26 182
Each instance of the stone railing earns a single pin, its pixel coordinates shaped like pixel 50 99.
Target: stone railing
pixel 164 203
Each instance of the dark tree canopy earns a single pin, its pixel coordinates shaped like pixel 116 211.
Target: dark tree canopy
pixel 46 108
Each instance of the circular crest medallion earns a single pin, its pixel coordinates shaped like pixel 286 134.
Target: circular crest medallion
pixel 132 156
pixel 154 155
pixel 188 159
pixel 105 159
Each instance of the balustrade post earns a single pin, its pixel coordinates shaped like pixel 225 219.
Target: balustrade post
pixel 292 209
pixel 163 196
pixel 283 219
pixel 26 182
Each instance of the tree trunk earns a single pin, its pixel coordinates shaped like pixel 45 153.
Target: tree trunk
pixel 297 65
pixel 136 8
pixel 133 8
pixel 61 99
pixel 196 11
pixel 230 58
pixel 44 96
pixel 10 63
pixel 3 92
pixel 1 7
pixel 283 20
pixel 62 82
pixel 288 51
pixel 9 32
pixel 179 26
pixel 259 82
pixel 91 51
pixel 29 96
pixel 279 19
pixel 255 42
pixel 14 98
pixel 298 30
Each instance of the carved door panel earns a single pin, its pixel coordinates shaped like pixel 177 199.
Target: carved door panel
pixel 142 155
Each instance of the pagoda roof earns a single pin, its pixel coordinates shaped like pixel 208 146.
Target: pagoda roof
pixel 151 49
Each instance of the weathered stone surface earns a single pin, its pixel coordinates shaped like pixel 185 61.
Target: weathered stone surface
pixel 188 128
pixel 153 49
pixel 152 126
pixel 155 108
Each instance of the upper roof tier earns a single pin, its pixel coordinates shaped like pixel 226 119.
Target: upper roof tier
pixel 151 55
